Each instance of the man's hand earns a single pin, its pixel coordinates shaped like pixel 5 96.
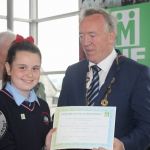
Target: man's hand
pixel 118 145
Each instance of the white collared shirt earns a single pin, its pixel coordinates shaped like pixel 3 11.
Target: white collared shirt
pixel 105 66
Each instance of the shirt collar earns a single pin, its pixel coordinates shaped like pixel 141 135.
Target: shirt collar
pixel 107 62
pixel 18 97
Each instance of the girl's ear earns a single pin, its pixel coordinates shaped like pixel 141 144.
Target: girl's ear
pixel 7 66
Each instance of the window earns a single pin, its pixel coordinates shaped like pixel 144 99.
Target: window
pixel 21 28
pixel 47 8
pixel 58 42
pixel 21 9
pixel 3 24
pixel 3 7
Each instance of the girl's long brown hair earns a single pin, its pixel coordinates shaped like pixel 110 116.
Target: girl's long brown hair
pixel 14 48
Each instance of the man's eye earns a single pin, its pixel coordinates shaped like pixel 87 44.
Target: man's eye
pixel 80 36
pixel 92 35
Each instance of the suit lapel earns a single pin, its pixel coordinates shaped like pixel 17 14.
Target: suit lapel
pixel 112 72
pixel 82 82
pixel 104 87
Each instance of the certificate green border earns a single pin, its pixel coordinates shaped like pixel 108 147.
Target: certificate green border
pixel 109 145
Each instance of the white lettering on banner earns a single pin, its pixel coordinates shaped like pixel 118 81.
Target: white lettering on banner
pixel 134 53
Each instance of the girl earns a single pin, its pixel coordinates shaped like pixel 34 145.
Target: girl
pixel 27 117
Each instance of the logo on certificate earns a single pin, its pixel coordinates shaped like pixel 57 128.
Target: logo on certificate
pixel 106 114
pixel 3 124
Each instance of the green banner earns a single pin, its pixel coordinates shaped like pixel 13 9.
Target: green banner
pixel 133 37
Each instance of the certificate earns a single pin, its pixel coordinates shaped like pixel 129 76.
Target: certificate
pixel 83 127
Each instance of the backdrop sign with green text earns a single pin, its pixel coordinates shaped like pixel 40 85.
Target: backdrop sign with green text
pixel 133 37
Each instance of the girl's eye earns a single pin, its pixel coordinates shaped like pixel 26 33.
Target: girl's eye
pixel 22 68
pixel 36 68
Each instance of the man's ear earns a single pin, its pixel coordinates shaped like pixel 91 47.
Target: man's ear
pixel 112 37
pixel 7 66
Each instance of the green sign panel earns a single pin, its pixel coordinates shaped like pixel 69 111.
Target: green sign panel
pixel 133 37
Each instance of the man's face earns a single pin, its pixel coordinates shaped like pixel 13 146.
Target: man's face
pixel 97 43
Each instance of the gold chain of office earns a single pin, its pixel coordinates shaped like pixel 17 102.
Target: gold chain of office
pixel 104 102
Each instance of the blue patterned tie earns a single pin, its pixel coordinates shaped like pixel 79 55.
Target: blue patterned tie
pixel 94 86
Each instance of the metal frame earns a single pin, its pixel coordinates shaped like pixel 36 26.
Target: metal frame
pixel 33 22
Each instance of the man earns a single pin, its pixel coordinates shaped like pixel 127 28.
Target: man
pixel 6 38
pixel 123 82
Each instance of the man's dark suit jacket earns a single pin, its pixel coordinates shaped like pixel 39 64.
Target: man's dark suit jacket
pixel 130 94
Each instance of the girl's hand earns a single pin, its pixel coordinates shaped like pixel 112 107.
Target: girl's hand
pixel 48 139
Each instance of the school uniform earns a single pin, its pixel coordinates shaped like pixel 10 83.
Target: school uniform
pixel 27 125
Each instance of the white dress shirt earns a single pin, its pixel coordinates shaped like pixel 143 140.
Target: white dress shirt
pixel 105 66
